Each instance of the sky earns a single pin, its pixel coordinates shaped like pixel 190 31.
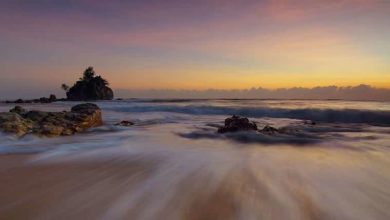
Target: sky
pixel 193 44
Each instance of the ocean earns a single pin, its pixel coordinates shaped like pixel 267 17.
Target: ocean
pixel 333 163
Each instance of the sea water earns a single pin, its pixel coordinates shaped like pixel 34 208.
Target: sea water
pixel 333 163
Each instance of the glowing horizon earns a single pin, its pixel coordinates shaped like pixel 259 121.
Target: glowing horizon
pixel 195 44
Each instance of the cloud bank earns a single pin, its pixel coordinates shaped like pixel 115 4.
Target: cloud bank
pixel 360 92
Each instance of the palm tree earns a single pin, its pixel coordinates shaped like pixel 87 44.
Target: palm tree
pixel 89 73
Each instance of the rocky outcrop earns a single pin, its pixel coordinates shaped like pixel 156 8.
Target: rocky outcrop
pixel 81 117
pixel 52 98
pixel 237 123
pixel 90 87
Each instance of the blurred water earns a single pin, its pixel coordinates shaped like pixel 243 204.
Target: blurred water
pixel 173 165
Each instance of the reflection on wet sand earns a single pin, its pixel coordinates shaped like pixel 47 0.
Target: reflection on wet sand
pixel 251 185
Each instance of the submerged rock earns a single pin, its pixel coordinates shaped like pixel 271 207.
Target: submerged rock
pixel 237 123
pixel 269 130
pixel 21 122
pixel 125 123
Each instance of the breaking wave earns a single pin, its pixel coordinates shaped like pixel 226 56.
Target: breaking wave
pixel 381 118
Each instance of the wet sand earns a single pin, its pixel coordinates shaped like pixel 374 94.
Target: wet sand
pixel 63 190
pixel 93 190
pixel 140 186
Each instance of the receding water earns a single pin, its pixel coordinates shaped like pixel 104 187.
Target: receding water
pixel 173 165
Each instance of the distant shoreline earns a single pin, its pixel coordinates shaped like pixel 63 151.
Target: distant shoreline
pixel 3 101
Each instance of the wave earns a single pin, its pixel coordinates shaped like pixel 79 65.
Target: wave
pixel 380 118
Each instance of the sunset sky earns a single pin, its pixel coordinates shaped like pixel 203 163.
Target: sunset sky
pixel 194 44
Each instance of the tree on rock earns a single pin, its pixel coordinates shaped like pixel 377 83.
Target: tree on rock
pixel 90 87
pixel 89 74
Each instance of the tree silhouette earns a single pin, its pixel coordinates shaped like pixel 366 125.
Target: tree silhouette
pixel 89 74
pixel 65 87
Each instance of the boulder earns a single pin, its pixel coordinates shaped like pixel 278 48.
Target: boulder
pixel 21 122
pixel 18 110
pixel 237 123
pixel 125 123
pixel 88 115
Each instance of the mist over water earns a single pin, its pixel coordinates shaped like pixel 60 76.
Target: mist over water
pixel 173 165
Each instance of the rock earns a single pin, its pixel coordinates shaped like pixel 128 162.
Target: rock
pixel 18 110
pixel 309 122
pixel 36 116
pixel 44 100
pixel 52 98
pixel 125 123
pixel 50 130
pixel 51 124
pixel 269 130
pixel 11 122
pixel 85 108
pixel 90 114
pixel 90 87
pixel 237 123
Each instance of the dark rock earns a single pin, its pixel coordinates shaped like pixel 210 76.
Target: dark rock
pixel 90 87
pixel 41 123
pixel 125 123
pixel 52 98
pixel 237 123
pixel 36 116
pixel 86 107
pixel 269 130
pixel 44 100
pixel 18 110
